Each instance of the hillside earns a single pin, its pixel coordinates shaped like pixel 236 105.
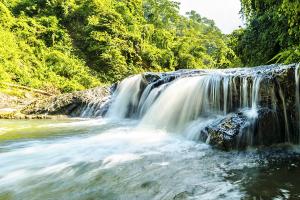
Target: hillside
pixel 72 45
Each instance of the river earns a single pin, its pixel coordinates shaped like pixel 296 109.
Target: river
pixel 106 159
pixel 152 141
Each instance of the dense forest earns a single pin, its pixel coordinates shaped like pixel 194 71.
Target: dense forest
pixel 272 33
pixel 67 45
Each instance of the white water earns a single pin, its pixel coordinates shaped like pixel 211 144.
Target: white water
pixel 187 104
pixel 148 98
pixel 114 161
pixel 125 96
pixel 245 102
pixel 226 92
pixel 297 79
pixel 252 112
pixel 184 101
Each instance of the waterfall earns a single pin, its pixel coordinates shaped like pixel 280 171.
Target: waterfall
pixel 245 102
pixel 187 99
pixel 125 98
pixel 252 113
pixel 95 108
pixel 226 90
pixel 149 96
pixel 187 102
pixel 298 98
pixel 286 124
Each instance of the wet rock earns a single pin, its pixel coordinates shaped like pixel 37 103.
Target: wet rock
pixel 150 77
pixel 239 131
pixel 268 128
pixel 223 134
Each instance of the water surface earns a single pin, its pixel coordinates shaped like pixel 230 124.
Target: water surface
pixel 103 159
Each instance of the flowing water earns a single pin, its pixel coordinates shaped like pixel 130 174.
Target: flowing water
pixel 147 147
pixel 297 79
pixel 103 159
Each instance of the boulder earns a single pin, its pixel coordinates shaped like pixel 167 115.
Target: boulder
pixel 239 130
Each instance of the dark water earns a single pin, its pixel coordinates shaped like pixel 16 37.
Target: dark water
pixel 101 159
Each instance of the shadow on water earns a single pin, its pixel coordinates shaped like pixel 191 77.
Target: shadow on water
pixel 276 176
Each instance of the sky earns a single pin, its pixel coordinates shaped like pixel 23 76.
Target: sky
pixel 225 13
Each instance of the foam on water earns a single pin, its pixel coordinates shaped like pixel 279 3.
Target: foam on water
pixel 118 160
pixel 136 157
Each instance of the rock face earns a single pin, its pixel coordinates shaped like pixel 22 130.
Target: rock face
pixel 73 104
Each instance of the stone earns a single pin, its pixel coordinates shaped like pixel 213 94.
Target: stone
pixel 71 104
pixel 238 131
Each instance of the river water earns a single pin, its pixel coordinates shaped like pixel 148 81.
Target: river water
pixel 111 160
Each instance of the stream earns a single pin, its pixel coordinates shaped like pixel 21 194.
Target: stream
pixel 108 159
pixel 208 134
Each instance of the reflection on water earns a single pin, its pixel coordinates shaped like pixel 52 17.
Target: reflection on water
pixel 101 159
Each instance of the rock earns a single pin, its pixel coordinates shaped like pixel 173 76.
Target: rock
pixel 238 131
pixel 72 104
pixel 18 115
pixel 223 134
pixel 150 77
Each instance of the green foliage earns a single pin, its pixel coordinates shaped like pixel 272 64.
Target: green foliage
pixel 272 33
pixel 37 52
pixel 69 44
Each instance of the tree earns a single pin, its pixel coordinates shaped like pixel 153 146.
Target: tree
pixel 272 33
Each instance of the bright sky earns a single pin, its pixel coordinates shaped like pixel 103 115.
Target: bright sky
pixel 225 13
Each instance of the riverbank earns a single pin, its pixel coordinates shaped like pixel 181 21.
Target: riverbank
pixel 13 98
pixel 26 103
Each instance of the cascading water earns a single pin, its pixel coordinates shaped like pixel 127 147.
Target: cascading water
pixel 287 135
pixel 188 101
pixel 297 78
pixel 95 108
pixel 126 97
pixel 158 159
pixel 184 101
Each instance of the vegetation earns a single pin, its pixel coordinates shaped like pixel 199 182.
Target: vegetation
pixel 67 45
pixel 70 45
pixel 272 33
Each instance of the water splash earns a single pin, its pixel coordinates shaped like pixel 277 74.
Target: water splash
pixel 252 112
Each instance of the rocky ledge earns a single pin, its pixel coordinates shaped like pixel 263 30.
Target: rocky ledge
pixel 262 105
pixel 61 106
